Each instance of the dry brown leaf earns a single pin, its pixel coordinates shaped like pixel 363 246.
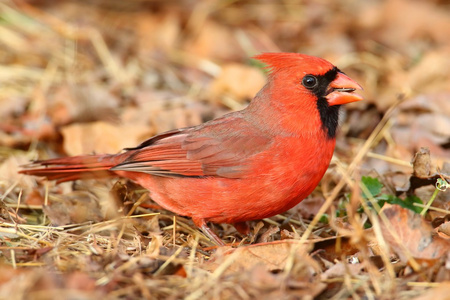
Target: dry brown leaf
pixel 214 40
pixel 165 111
pixel 74 208
pixel 82 103
pixel 335 247
pixel 444 230
pixel 258 266
pixel 9 172
pixel 80 281
pixel 424 122
pixel 309 207
pixel 12 106
pixel 8 280
pixel 415 235
pixel 34 198
pixel 267 235
pixel 101 137
pixel 41 284
pixel 272 256
pixel 440 292
pixel 402 23
pixel 430 73
pixel 435 102
pixel 286 235
pixel 238 81
pixel 156 32
pixel 26 129
pixel 340 269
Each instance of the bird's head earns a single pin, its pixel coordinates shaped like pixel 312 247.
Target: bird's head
pixel 313 75
pixel 308 84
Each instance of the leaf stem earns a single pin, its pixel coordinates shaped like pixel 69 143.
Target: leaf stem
pixel 441 185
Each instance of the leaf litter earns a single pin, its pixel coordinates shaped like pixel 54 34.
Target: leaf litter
pixel 80 78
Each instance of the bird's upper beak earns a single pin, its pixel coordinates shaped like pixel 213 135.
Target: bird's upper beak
pixel 341 90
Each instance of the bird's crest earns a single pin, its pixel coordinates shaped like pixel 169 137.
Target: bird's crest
pixel 277 62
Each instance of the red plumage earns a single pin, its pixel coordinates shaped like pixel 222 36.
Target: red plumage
pixel 246 165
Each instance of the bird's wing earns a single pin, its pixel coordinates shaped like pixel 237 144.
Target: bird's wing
pixel 223 147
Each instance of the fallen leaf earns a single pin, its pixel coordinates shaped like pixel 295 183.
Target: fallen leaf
pixel 54 285
pixel 423 121
pixel 309 207
pixel 164 111
pixel 440 292
pixel 101 137
pixel 82 103
pixel 34 198
pixel 73 208
pixel 399 29
pixel 272 255
pixel 436 102
pixel 260 266
pixel 415 236
pixel 237 81
pixel 9 171
pixel 213 40
pixel 12 106
pixel 156 32
pixel 335 248
pixel 266 236
pixel 444 230
pixel 340 269
pixel 429 73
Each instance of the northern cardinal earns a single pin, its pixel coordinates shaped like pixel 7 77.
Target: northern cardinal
pixel 247 165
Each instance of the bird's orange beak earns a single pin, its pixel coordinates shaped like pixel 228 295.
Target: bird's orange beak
pixel 341 90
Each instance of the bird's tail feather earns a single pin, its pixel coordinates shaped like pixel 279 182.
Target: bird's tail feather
pixel 75 167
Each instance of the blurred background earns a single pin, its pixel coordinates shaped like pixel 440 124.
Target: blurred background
pixel 97 76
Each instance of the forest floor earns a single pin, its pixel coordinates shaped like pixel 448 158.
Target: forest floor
pixel 80 77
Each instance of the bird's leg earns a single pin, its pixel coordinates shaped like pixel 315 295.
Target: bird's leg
pixel 244 229
pixel 200 223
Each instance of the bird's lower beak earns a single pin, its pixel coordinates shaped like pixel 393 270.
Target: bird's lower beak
pixel 341 90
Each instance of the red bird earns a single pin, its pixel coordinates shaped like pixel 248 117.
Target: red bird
pixel 247 165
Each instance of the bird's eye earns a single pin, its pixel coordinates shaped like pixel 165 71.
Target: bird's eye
pixel 309 82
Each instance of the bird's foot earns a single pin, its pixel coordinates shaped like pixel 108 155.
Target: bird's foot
pixel 200 223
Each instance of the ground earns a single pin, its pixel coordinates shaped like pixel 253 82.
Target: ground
pixel 80 77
